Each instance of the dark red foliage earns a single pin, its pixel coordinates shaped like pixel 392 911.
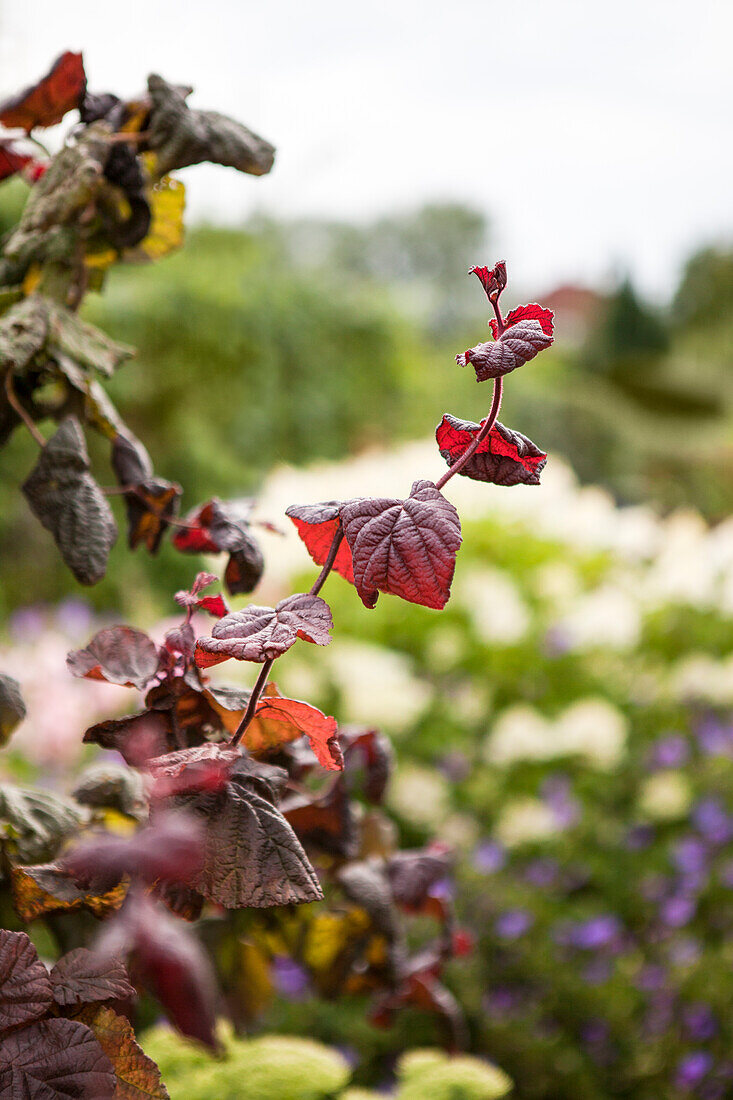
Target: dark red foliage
pixel 46 103
pixel 119 655
pixel 279 720
pixel 325 820
pixel 516 346
pixel 82 977
pixel 151 502
pixel 369 759
pixel 493 279
pixel 219 526
pixel 404 547
pixel 25 987
pixel 12 158
pixel 52 1060
pixel 170 849
pixel 504 457
pixel 192 598
pixel 262 633
pixel 532 312
pixel 317 525
pixel 164 956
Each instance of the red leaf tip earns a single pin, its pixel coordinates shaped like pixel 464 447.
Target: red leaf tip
pixel 493 279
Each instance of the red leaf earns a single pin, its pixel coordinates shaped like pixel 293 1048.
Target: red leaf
pixel 152 502
pixel 54 1060
pixel 504 457
pixel 169 849
pixel 317 525
pixel 412 874
pixel 119 655
pixel 215 605
pixel 493 279
pixel 46 103
pixel 136 736
pixel 404 547
pixel 516 346
pixel 11 158
pixel 260 633
pixel 170 961
pixel 81 976
pixel 326 820
pixel 278 720
pixel 371 751
pixel 532 312
pixel 25 987
pixel 223 526
pixel 174 765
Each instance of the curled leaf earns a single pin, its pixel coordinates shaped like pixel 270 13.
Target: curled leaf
pixel 261 633
pixel 504 457
pixel 493 279
pixel 12 707
pixel 278 720
pixel 67 500
pixel 35 823
pixel 532 312
pixel 516 346
pixel 46 102
pixel 47 888
pixel 180 136
pixel 223 526
pixel 151 502
pixel 317 525
pixel 119 655
pixel 404 547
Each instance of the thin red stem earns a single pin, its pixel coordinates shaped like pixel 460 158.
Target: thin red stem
pixel 265 670
pixel 253 701
pixel 16 405
pixel 489 424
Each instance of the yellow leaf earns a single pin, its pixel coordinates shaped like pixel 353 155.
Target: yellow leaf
pixel 138 1077
pixel 45 889
pixel 167 200
pixel 32 278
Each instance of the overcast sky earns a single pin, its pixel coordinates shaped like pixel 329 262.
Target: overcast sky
pixel 597 136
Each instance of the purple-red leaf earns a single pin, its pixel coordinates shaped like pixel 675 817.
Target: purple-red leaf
pixel 516 346
pixel 25 987
pixel 220 526
pixel 54 1060
pixel 369 752
pixel 504 457
pixel 215 605
pixel 278 720
pixel 136 736
pixel 119 655
pixel 317 525
pixel 170 961
pixel 12 158
pixel 404 547
pixel 46 103
pixel 261 633
pixel 493 279
pixel 151 502
pixel 82 976
pixel 252 856
pixel 531 312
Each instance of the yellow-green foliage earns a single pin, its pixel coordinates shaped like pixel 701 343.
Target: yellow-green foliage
pixel 433 1075
pixel 271 1067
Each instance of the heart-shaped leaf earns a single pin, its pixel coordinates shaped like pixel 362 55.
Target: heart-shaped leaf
pixel 516 346
pixel 54 1060
pixel 25 987
pixel 46 103
pixel 252 856
pixel 67 500
pixel 138 1077
pixel 317 525
pixel 404 547
pixel 261 633
pixel 504 457
pixel 82 976
pixel 119 655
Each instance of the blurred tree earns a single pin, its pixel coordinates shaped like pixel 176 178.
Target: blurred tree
pixel 628 335
pixel 705 294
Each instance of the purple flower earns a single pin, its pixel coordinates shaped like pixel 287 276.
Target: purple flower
pixel 75 618
pixel 684 950
pixel 651 978
pixel 711 819
pixel 556 793
pixel 590 935
pixel 594 1031
pixel 692 1068
pixel 541 872
pixel 690 855
pixel 670 752
pixel 27 623
pixel 489 857
pixel 714 737
pixel 677 911
pixel 501 1001
pixel 290 979
pixel 442 888
pixel 700 1022
pixel 513 924
pixel 596 972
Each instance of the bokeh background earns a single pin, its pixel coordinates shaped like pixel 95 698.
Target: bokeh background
pixel 566 723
